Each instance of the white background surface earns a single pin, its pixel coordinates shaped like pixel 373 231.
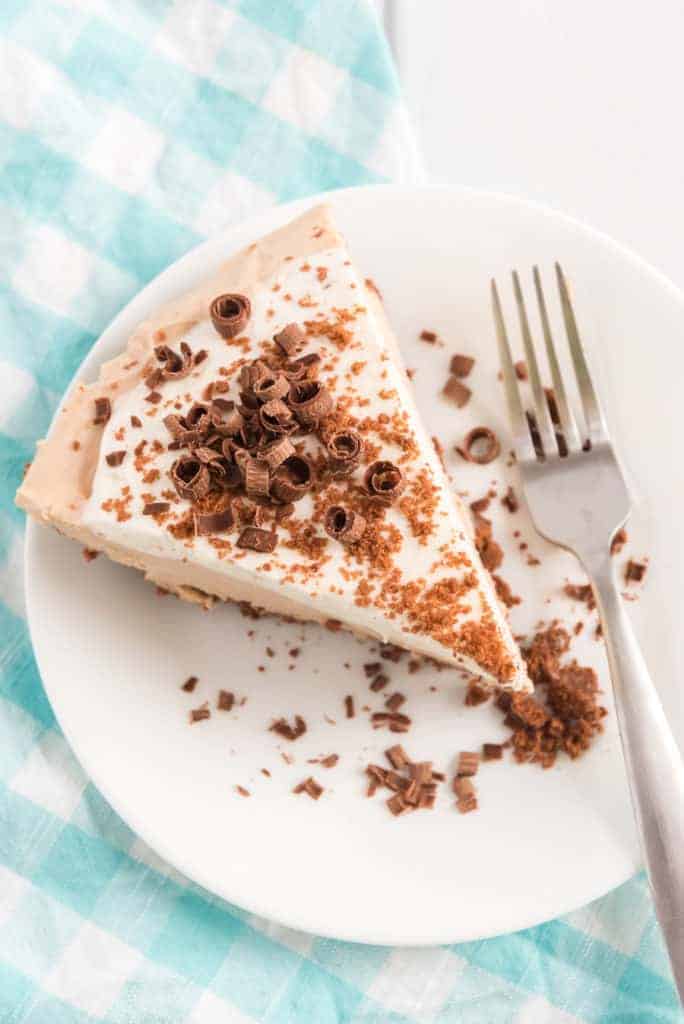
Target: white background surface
pixel 578 105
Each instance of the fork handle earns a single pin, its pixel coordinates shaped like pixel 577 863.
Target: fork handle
pixel 654 767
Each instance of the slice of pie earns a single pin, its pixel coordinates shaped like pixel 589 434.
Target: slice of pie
pixel 258 442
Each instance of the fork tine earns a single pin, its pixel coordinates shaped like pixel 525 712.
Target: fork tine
pixel 541 406
pixel 593 414
pixel 521 434
pixel 565 413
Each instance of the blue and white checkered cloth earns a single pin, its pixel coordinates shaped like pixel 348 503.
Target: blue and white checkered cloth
pixel 129 130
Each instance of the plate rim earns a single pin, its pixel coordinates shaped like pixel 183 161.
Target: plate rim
pixel 193 872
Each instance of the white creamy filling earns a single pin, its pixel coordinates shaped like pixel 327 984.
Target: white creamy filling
pixel 335 287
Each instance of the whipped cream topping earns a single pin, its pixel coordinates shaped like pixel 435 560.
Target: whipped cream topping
pixel 430 546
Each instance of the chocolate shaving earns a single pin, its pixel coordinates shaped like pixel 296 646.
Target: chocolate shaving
pixel 230 314
pixel 190 684
pixel 344 451
pixel 391 652
pixel 510 500
pixel 379 683
pixel 213 522
pixel 397 757
pixel 255 539
pixel 275 453
pixel 115 458
pixel 310 401
pixel 480 445
pixel 175 366
pixel 302 368
pixel 618 542
pixel 344 525
pixel 190 478
pixel 394 702
pixel 136 421
pixel 155 508
pixel 268 387
pixel 461 365
pixel 292 479
pixel 276 417
pixel 456 392
pixel 383 481
pixel 349 706
pixel 290 339
pixel 465 792
pixel 256 478
pixel 103 410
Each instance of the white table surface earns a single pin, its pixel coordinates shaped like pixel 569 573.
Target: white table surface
pixel 577 105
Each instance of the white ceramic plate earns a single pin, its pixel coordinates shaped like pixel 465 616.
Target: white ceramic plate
pixel 113 654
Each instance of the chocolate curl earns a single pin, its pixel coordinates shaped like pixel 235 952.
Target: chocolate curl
pixel 344 525
pixel 290 339
pixel 256 478
pixel 176 426
pixel 255 539
pixel 230 314
pixel 207 455
pixel 175 366
pixel 224 417
pixel 213 522
pixel 251 373
pixel 276 417
pixel 269 386
pixel 276 452
pixel 103 410
pixel 302 368
pixel 310 402
pixel 292 479
pixel 190 477
pixel 226 473
pixel 383 481
pixel 480 445
pixel 344 452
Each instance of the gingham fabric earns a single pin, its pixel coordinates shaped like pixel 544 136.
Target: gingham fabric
pixel 128 132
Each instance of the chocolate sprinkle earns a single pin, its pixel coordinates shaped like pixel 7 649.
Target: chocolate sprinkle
pixel 230 314
pixel 115 458
pixel 383 481
pixel 344 451
pixel 103 410
pixel 290 339
pixel 344 525
pixel 255 539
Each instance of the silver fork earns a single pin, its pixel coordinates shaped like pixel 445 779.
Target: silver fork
pixel 577 497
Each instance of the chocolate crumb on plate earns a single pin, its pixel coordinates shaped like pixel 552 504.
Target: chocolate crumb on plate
pixel 289 732
pixel 380 682
pixel 200 714
pixel 394 702
pixel 371 669
pixel 456 392
pixel 349 706
pixel 635 571
pixel 581 592
pixel 460 365
pixel 103 411
pixel 429 336
pixel 510 500
pixel 190 684
pixel 466 796
pixel 492 751
pixel 310 787
pixel 89 555
pixel 225 701
pixel 390 652
pixel 115 458
pixel 468 763
pixel 521 369
pixel 397 757
pixel 242 791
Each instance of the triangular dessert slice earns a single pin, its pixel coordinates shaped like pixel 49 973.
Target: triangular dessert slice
pixel 258 441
